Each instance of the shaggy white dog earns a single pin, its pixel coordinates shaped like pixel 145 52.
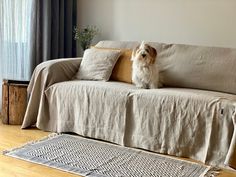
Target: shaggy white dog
pixel 145 72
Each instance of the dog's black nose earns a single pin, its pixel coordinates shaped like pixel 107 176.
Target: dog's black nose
pixel 143 55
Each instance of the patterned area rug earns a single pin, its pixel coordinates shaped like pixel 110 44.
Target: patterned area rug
pixel 94 158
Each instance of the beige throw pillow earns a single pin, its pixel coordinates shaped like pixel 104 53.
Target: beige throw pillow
pixel 97 64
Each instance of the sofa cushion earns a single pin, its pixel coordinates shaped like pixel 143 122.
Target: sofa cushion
pixel 208 68
pixel 118 44
pixel 97 64
pixel 123 68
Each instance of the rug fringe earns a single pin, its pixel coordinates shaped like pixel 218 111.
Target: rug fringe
pixel 212 172
pixel 50 136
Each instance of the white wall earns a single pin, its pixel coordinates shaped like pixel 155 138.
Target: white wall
pixel 201 22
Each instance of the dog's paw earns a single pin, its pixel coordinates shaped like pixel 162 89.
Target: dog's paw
pixel 156 85
pixel 153 87
pixel 141 86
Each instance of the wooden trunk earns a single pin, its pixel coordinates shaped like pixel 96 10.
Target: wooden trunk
pixel 5 103
pixel 14 102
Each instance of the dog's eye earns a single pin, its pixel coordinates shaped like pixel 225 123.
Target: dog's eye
pixel 147 50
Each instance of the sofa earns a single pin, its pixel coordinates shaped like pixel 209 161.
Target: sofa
pixel 192 115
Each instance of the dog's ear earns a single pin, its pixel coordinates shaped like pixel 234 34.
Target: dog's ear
pixel 153 54
pixel 134 52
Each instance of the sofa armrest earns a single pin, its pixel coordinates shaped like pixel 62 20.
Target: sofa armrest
pixel 54 71
pixel 44 75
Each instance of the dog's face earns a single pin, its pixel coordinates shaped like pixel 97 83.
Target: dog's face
pixel 145 54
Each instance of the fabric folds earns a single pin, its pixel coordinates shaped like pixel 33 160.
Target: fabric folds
pixel 46 74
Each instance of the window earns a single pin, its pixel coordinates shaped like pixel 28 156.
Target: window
pixel 15 20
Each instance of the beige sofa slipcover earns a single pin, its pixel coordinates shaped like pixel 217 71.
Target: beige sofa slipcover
pixel 192 116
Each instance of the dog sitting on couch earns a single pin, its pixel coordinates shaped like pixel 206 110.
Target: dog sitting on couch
pixel 145 72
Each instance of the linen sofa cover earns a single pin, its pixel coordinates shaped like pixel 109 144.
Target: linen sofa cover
pixel 203 125
pixel 182 122
pixel 208 68
pixel 90 108
pixel 44 75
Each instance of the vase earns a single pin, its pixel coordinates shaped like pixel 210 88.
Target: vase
pixel 85 44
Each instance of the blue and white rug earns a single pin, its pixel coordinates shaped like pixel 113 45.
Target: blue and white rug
pixel 94 158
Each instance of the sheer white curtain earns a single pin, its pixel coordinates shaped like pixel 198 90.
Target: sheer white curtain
pixel 14 40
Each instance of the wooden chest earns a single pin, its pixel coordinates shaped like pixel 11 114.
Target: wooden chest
pixel 14 101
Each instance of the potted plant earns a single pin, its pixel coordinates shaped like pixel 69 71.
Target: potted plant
pixel 85 35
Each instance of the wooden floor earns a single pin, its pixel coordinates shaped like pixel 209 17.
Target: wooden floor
pixel 12 136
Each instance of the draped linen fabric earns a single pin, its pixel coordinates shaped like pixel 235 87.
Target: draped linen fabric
pixel 15 24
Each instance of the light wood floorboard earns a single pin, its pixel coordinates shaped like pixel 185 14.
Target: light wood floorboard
pixel 12 136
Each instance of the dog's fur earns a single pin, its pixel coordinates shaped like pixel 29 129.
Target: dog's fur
pixel 145 72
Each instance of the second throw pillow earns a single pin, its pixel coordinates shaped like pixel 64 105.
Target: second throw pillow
pixel 97 64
